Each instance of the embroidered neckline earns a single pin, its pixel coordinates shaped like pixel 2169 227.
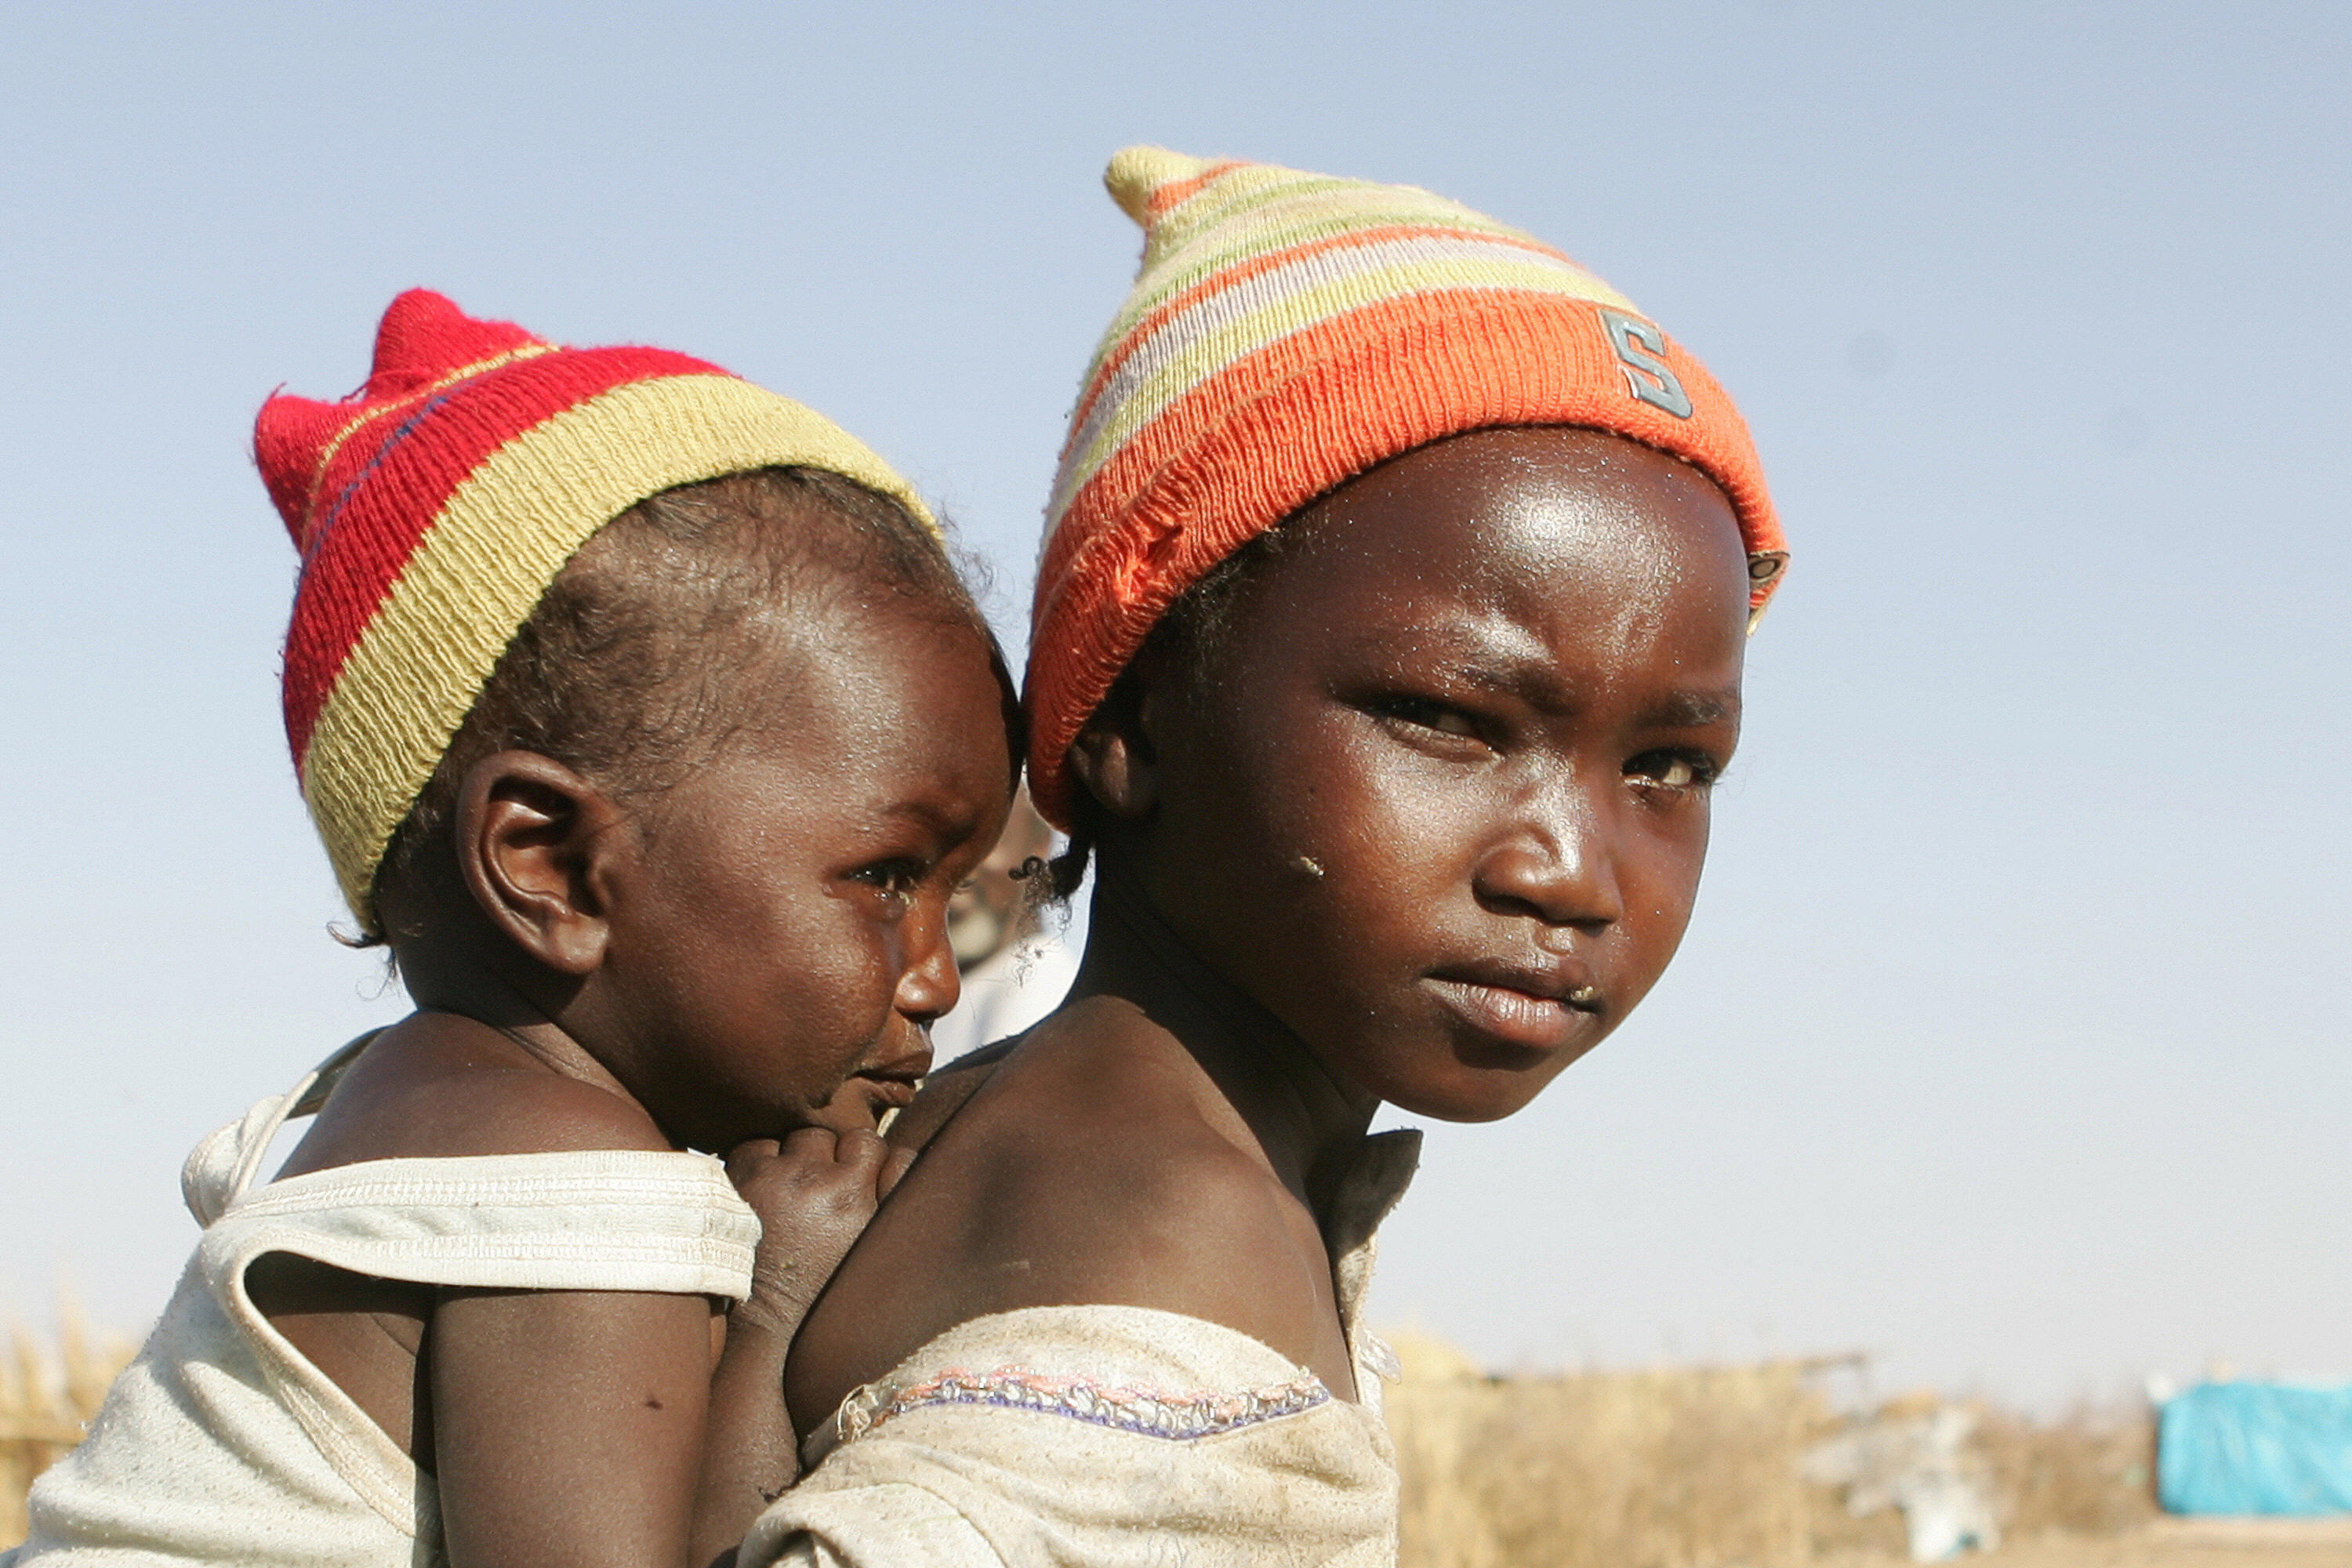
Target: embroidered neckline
pixel 1177 1416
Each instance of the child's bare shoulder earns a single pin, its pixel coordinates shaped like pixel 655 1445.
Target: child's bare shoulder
pixel 436 1086
pixel 1094 1165
pixel 1111 1171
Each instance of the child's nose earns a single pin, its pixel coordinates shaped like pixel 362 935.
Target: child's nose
pixel 1556 858
pixel 931 983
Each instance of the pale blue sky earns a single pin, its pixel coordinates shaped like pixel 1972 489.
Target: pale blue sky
pixel 2010 1041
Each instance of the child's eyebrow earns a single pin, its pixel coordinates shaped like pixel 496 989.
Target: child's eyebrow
pixel 1496 654
pixel 1489 650
pixel 1695 710
pixel 944 812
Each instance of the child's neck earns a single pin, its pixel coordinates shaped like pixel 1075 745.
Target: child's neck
pixel 437 982
pixel 1308 1123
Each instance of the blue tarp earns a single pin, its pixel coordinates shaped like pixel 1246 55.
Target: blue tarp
pixel 2255 1447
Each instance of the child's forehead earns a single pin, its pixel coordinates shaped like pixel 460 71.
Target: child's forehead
pixel 1521 507
pixel 873 677
pixel 861 647
pixel 1534 562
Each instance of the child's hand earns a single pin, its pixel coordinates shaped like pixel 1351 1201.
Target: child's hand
pixel 814 1194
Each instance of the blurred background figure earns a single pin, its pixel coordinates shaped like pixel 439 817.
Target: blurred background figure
pixel 1014 971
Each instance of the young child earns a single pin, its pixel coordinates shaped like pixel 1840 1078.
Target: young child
pixel 646 719
pixel 1388 639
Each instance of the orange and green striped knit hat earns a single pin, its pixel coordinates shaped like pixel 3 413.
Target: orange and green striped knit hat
pixel 432 508
pixel 1288 330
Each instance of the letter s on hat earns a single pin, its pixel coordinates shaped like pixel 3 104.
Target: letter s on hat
pixel 1641 348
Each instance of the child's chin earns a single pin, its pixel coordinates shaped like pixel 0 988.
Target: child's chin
pixel 1472 1094
pixel 1465 1108
pixel 853 1108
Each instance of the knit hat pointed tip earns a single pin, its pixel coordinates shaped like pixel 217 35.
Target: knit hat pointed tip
pixel 415 317
pixel 1136 173
pixel 418 304
pixel 287 431
pixel 424 335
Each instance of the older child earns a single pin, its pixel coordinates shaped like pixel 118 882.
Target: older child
pixel 645 718
pixel 1388 640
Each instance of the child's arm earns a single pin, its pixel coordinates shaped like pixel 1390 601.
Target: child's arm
pixel 585 1428
pixel 813 1195
pixel 566 1426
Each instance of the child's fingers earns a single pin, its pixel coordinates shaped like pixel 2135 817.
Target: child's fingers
pixel 815 1172
pixel 764 1161
pixel 811 1143
pixel 860 1149
pixel 813 1191
pixel 873 1163
pixel 766 1172
pixel 745 1159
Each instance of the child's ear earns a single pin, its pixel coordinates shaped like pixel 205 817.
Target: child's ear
pixel 535 845
pixel 1114 756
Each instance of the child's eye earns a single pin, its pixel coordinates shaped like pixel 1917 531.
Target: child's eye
pixel 1672 771
pixel 1427 713
pixel 899 878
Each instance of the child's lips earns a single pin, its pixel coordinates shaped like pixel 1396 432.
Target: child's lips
pixel 1536 1011
pixel 891 1084
pixel 890 1092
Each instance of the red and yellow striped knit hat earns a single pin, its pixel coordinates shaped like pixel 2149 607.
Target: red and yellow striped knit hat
pixel 434 507
pixel 1287 331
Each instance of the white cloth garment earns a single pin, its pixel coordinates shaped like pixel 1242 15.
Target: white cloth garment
pixel 221 1444
pixel 1110 1437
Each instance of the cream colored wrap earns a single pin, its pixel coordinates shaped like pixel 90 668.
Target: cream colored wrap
pixel 222 1445
pixel 1109 1436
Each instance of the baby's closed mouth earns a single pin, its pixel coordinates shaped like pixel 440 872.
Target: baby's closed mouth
pixel 892 1091
pixel 892 1082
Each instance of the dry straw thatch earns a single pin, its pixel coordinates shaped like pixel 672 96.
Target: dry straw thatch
pixel 1702 1467
pixel 2089 1473
pixel 1677 1468
pixel 49 1387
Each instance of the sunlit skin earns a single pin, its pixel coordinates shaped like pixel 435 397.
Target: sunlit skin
pixel 1423 826
pixel 781 965
pixel 746 962
pixel 1507 672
